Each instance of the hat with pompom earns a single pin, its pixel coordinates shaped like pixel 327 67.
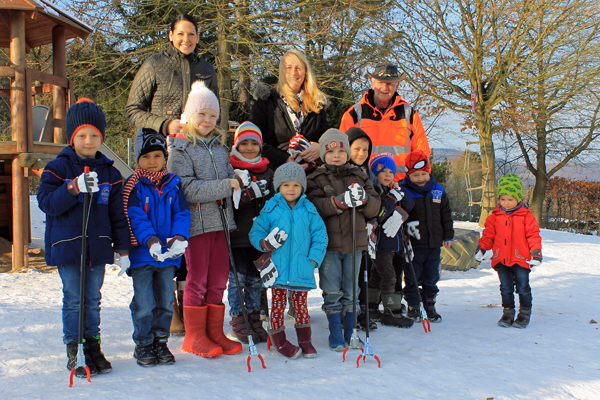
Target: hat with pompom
pixel 199 98
pixel 85 113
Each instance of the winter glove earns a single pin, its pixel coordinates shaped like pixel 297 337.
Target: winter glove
pixel 298 143
pixel 536 258
pixel 243 177
pixel 155 248
pixel 394 222
pixel 267 270
pixel 86 183
pixel 355 196
pixel 177 245
pixel 124 263
pixel 482 255
pixel 409 255
pixel 255 190
pixel 412 229
pixel 397 194
pixel 372 246
pixel 274 240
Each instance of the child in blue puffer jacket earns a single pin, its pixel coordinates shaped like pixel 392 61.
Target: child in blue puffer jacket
pixel 293 236
pixel 159 222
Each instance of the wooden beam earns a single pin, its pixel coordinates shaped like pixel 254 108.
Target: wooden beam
pixel 48 78
pixel 46 148
pixel 28 110
pixel 8 148
pixel 29 160
pixel 59 98
pixel 4 92
pixel 7 72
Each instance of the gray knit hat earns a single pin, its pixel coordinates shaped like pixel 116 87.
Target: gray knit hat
pixel 289 172
pixel 147 140
pixel 331 139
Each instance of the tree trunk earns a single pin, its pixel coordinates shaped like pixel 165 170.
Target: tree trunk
pixel 224 66
pixel 488 160
pixel 539 193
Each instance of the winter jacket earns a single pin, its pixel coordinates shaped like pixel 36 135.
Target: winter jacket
pixel 388 130
pixel 328 181
pixel 157 211
pixel 384 242
pixel 306 241
pixel 511 237
pixel 270 114
pixel 107 225
pixel 205 171
pixel 432 210
pixel 161 87
pixel 247 212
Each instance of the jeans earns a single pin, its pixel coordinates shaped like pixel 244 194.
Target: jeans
pixel 250 286
pixel 427 269
pixel 511 278
pixel 335 280
pixel 152 303
pixel 94 278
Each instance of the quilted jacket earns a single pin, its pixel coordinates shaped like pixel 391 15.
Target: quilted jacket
pixel 157 210
pixel 511 237
pixel 307 240
pixel 107 224
pixel 205 171
pixel 161 87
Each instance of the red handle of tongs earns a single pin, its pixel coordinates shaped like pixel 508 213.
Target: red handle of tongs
pixel 426 327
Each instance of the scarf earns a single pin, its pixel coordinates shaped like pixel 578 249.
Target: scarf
pixel 297 117
pixel 509 211
pixel 154 177
pixel 258 165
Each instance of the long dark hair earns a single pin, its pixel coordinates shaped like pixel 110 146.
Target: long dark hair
pixel 184 17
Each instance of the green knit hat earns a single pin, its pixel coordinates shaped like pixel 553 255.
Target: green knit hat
pixel 511 185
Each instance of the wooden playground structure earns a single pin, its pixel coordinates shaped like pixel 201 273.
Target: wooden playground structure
pixel 26 24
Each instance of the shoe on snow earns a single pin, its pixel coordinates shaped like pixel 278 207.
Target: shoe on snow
pixel 432 314
pixel 145 355
pixel 361 320
pixel 102 364
pixel 414 313
pixel 508 316
pixel 391 318
pixel 162 352
pixel 522 319
pixel 80 372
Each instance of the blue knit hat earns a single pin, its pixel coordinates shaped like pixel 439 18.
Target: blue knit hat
pixel 381 162
pixel 85 113
pixel 147 140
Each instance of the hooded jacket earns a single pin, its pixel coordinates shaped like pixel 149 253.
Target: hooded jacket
pixel 107 225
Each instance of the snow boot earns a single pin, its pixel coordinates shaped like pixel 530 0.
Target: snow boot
pixel 522 318
pixel 72 361
pixel 259 334
pixel 304 334
pixel 361 320
pixel 177 326
pixel 414 313
pixel 101 363
pixel 432 314
pixel 238 328
pixel 373 304
pixel 196 340
pixel 336 338
pixel 214 330
pixel 283 346
pixel 508 315
pixel 145 355
pixel 162 352
pixel 349 327
pixel 392 311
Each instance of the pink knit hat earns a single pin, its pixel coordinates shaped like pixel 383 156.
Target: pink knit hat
pixel 199 98
pixel 247 130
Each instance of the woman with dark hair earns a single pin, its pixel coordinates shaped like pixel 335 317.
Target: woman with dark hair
pixel 296 106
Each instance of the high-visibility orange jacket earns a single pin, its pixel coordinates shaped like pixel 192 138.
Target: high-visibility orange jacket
pixel 389 130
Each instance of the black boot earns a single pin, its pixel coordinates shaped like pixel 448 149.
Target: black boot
pixel 97 355
pixel 508 315
pixel 392 311
pixel 361 319
pixel 145 355
pixel 432 314
pixel 414 313
pixel 523 318
pixel 373 304
pixel 162 352
pixel 72 361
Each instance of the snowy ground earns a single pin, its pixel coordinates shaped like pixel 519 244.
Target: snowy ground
pixel 466 356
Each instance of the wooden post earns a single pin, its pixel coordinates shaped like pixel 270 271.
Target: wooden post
pixel 20 184
pixel 59 104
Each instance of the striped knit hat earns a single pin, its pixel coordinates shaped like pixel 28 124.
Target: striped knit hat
pixel 382 161
pixel 85 113
pixel 511 185
pixel 247 130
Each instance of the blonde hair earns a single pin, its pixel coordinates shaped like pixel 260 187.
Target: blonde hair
pixel 313 99
pixel 190 132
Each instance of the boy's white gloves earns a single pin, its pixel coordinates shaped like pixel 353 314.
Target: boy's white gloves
pixel 355 196
pixel 412 229
pixel 84 183
pixel 482 255
pixel 397 194
pixel 268 271
pixel 394 222
pixel 177 246
pixel 155 248
pixel 274 240
pixel 123 262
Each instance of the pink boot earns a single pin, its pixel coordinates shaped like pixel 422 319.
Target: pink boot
pixel 304 334
pixel 284 347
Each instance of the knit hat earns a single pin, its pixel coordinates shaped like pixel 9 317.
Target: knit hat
pixel 511 185
pixel 147 140
pixel 355 133
pixel 85 113
pixel 289 172
pixel 331 139
pixel 199 98
pixel 417 161
pixel 247 130
pixel 381 162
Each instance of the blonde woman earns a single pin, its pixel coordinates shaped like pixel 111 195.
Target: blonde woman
pixel 295 106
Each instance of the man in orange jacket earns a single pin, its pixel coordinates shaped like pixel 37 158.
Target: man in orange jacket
pixel 391 123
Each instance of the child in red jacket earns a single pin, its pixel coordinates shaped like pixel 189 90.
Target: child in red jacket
pixel 513 235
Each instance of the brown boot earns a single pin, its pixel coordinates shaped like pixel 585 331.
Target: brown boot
pixel 177 327
pixel 214 330
pixel 284 347
pixel 304 334
pixel 196 341
pixel 238 328
pixel 259 334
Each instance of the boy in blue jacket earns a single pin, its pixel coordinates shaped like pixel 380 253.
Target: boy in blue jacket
pixel 159 222
pixel 60 196
pixel 293 236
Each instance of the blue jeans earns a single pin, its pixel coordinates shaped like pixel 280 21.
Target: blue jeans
pixel 335 280
pixel 249 278
pixel 94 278
pixel 152 303
pixel 427 269
pixel 511 278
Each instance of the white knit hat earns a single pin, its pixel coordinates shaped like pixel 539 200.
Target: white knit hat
pixel 200 97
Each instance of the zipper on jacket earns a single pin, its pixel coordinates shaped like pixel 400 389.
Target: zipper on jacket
pixel 146 205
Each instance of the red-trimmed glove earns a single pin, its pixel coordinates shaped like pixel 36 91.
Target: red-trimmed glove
pixel 86 183
pixel 274 240
pixel 266 268
pixel 536 258
pixel 355 196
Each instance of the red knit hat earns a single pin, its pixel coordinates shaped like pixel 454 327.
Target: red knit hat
pixel 417 161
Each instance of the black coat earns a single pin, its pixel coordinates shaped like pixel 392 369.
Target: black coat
pixel 269 113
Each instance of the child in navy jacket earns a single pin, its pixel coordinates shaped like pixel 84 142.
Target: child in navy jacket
pixel 159 220
pixel 60 196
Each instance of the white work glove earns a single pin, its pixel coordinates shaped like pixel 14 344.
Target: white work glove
pixel 123 263
pixel 84 183
pixel 397 194
pixel 243 176
pixel 237 196
pixel 536 259
pixel 177 246
pixel 482 255
pixel 372 246
pixel 155 248
pixel 355 196
pixel 394 222
pixel 412 229
pixel 268 271
pixel 274 240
